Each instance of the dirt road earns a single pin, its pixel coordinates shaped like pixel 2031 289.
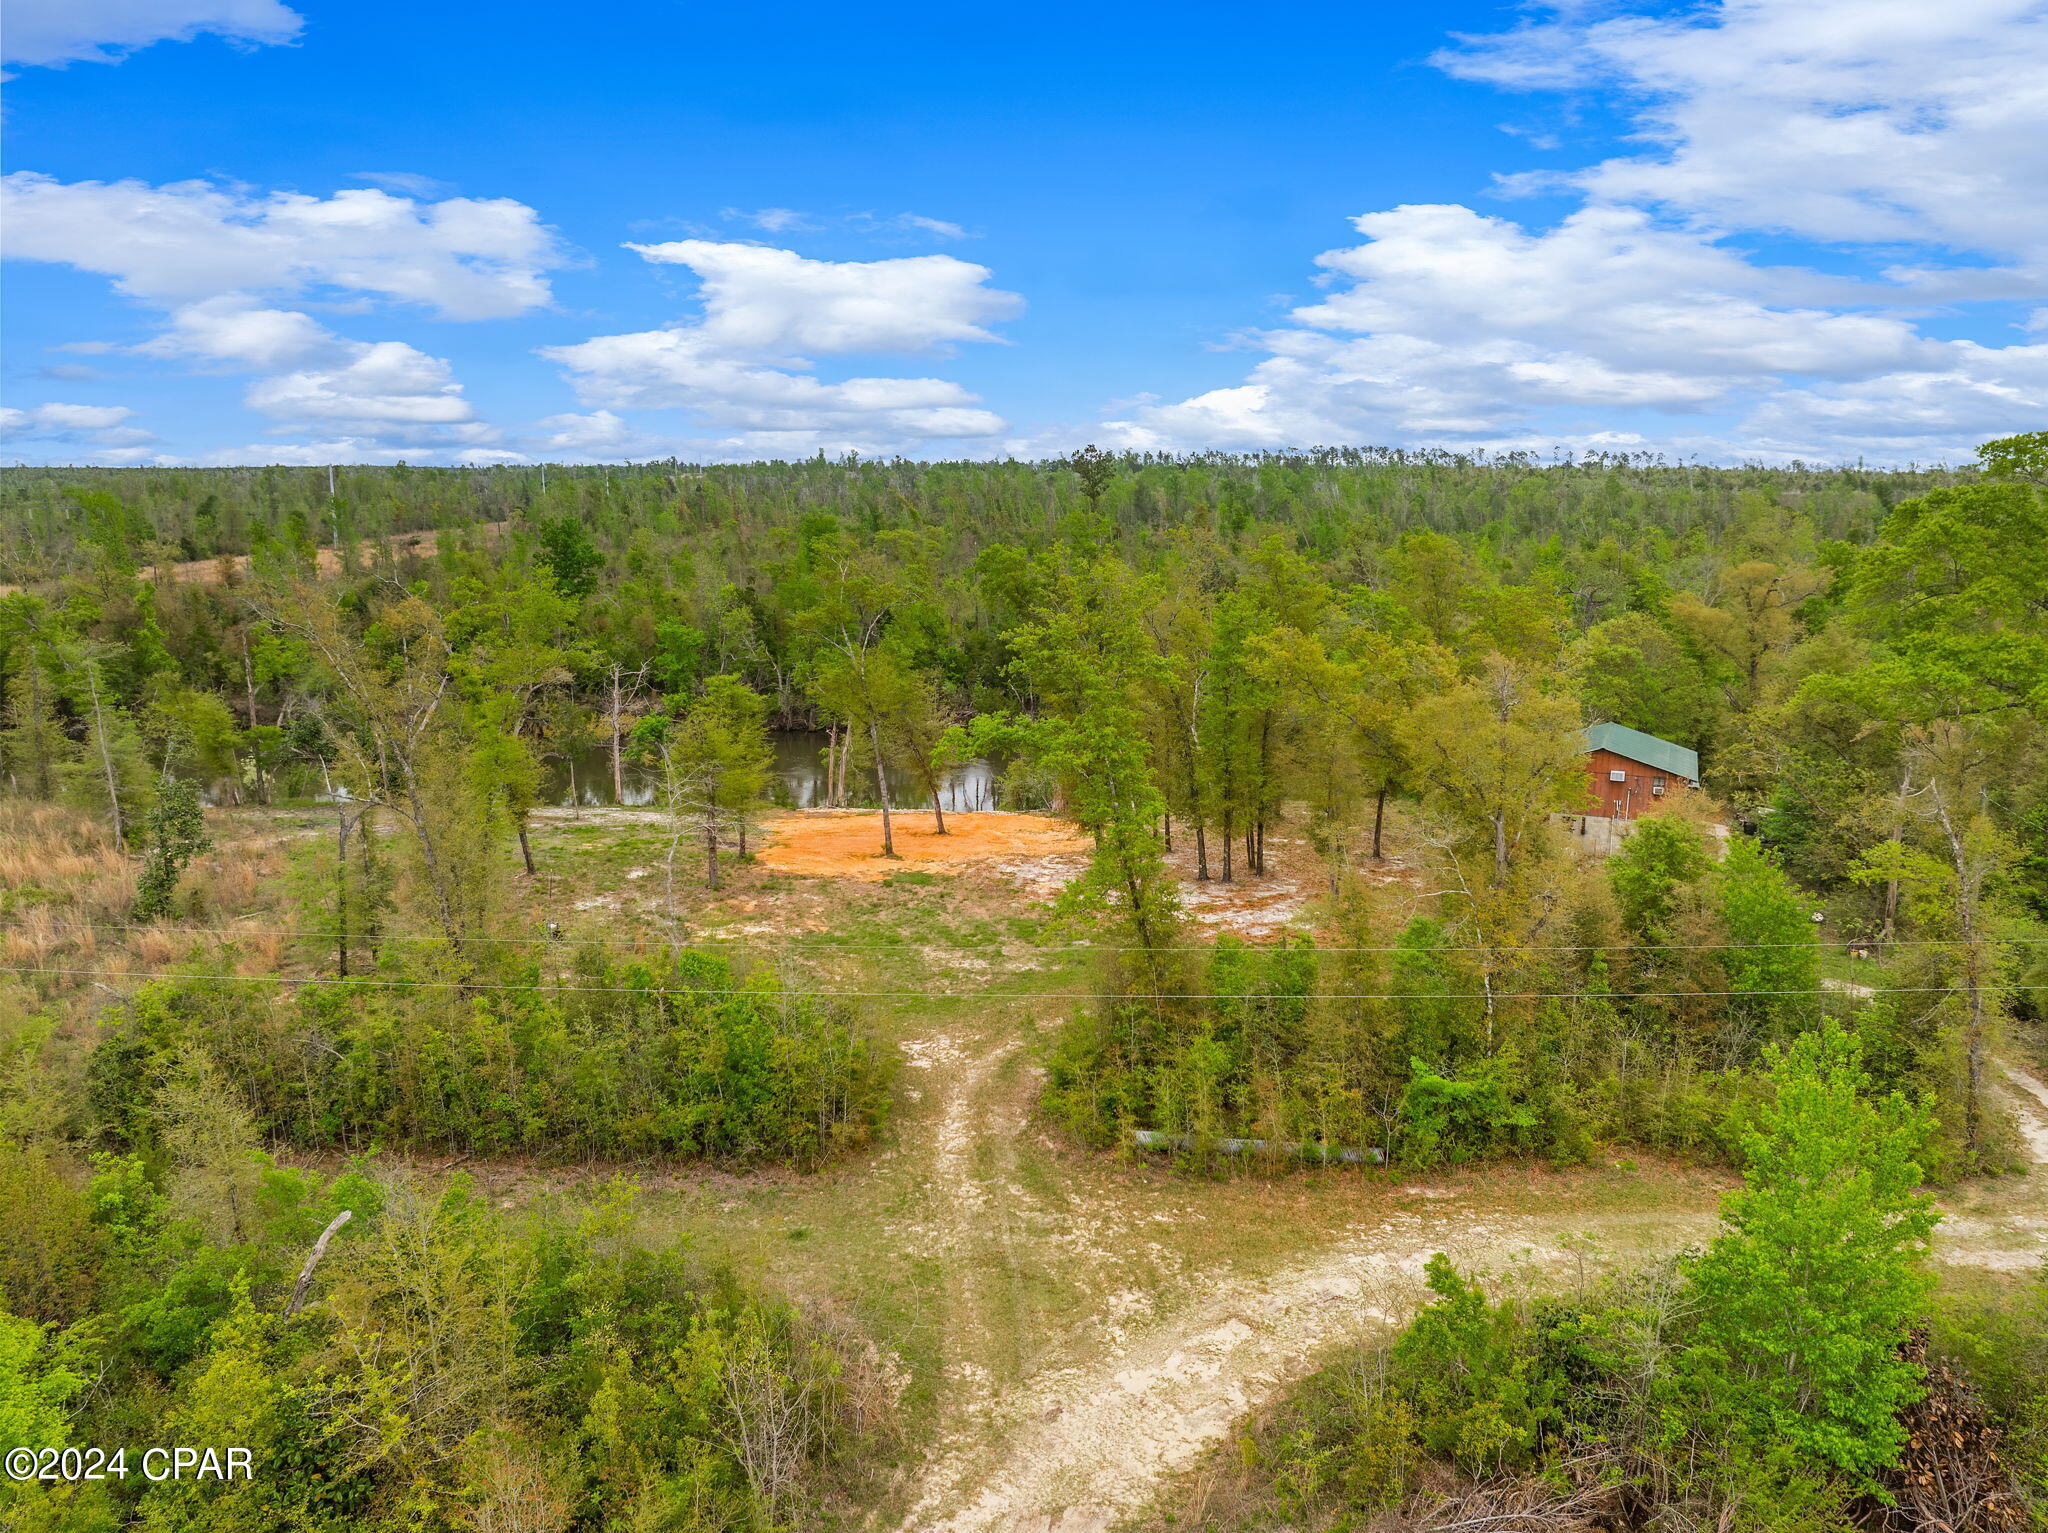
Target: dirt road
pixel 1085 1439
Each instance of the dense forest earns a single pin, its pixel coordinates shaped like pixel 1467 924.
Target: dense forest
pixel 1193 660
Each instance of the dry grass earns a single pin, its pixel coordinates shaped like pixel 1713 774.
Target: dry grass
pixel 67 891
pixel 234 881
pixel 51 856
pixel 260 952
pixel 32 938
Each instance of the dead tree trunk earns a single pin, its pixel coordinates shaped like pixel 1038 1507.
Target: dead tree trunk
pixel 99 729
pixel 312 1261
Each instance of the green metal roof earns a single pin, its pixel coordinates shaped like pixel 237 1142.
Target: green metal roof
pixel 1648 749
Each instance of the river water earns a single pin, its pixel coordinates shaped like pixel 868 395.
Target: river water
pixel 586 778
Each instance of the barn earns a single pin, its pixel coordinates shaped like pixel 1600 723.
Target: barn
pixel 1630 773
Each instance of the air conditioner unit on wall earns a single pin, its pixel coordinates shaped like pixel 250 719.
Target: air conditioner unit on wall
pixel 1617 776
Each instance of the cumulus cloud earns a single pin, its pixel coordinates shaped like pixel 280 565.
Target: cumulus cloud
pixel 461 258
pixel 765 301
pixel 1838 120
pixel 1872 126
pixel 236 329
pixel 600 434
pixel 684 370
pixel 100 427
pixel 381 391
pixel 385 390
pixel 59 32
pixel 216 259
pixel 742 370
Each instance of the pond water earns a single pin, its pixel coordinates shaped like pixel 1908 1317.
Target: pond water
pixel 586 778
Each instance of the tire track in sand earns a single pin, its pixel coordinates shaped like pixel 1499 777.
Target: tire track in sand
pixel 1078 1449
pixel 1086 1447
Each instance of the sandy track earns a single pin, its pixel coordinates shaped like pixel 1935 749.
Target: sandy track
pixel 2032 1102
pixel 1085 1447
pixel 1077 1431
pixel 1079 1446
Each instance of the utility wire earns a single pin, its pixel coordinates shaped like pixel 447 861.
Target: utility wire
pixel 1013 995
pixel 829 946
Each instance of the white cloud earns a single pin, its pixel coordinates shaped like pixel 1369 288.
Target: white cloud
pixel 1982 392
pixel 463 258
pixel 59 32
pixel 307 454
pixel 1656 303
pixel 771 220
pixel 385 390
pixel 943 228
pixel 764 301
pixel 1838 120
pixel 1843 122
pixel 741 371
pixel 215 257
pixel 103 427
pixel 598 435
pixel 238 329
pixel 381 391
pixel 684 370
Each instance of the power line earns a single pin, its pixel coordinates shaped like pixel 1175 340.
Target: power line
pixel 1011 995
pixel 827 945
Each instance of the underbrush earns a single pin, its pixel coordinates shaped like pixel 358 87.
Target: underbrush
pixel 687 1057
pixel 1637 1015
pixel 1594 1413
pixel 445 1368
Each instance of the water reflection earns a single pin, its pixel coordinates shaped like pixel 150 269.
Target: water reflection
pixel 586 778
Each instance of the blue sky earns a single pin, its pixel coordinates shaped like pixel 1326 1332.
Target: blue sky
pixel 252 232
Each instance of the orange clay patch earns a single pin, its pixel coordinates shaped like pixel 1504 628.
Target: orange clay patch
pixel 847 843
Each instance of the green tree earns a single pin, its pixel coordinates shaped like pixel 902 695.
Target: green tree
pixel 1804 1302
pixel 36 1385
pixel 1772 960
pixel 175 833
pixel 1635 670
pixel 1953 588
pixel 716 765
pixel 867 690
pixel 572 559
pixel 115 776
pixel 1497 755
pixel 35 753
pixel 1663 857
pixel 1466 1367
pixel 1086 656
